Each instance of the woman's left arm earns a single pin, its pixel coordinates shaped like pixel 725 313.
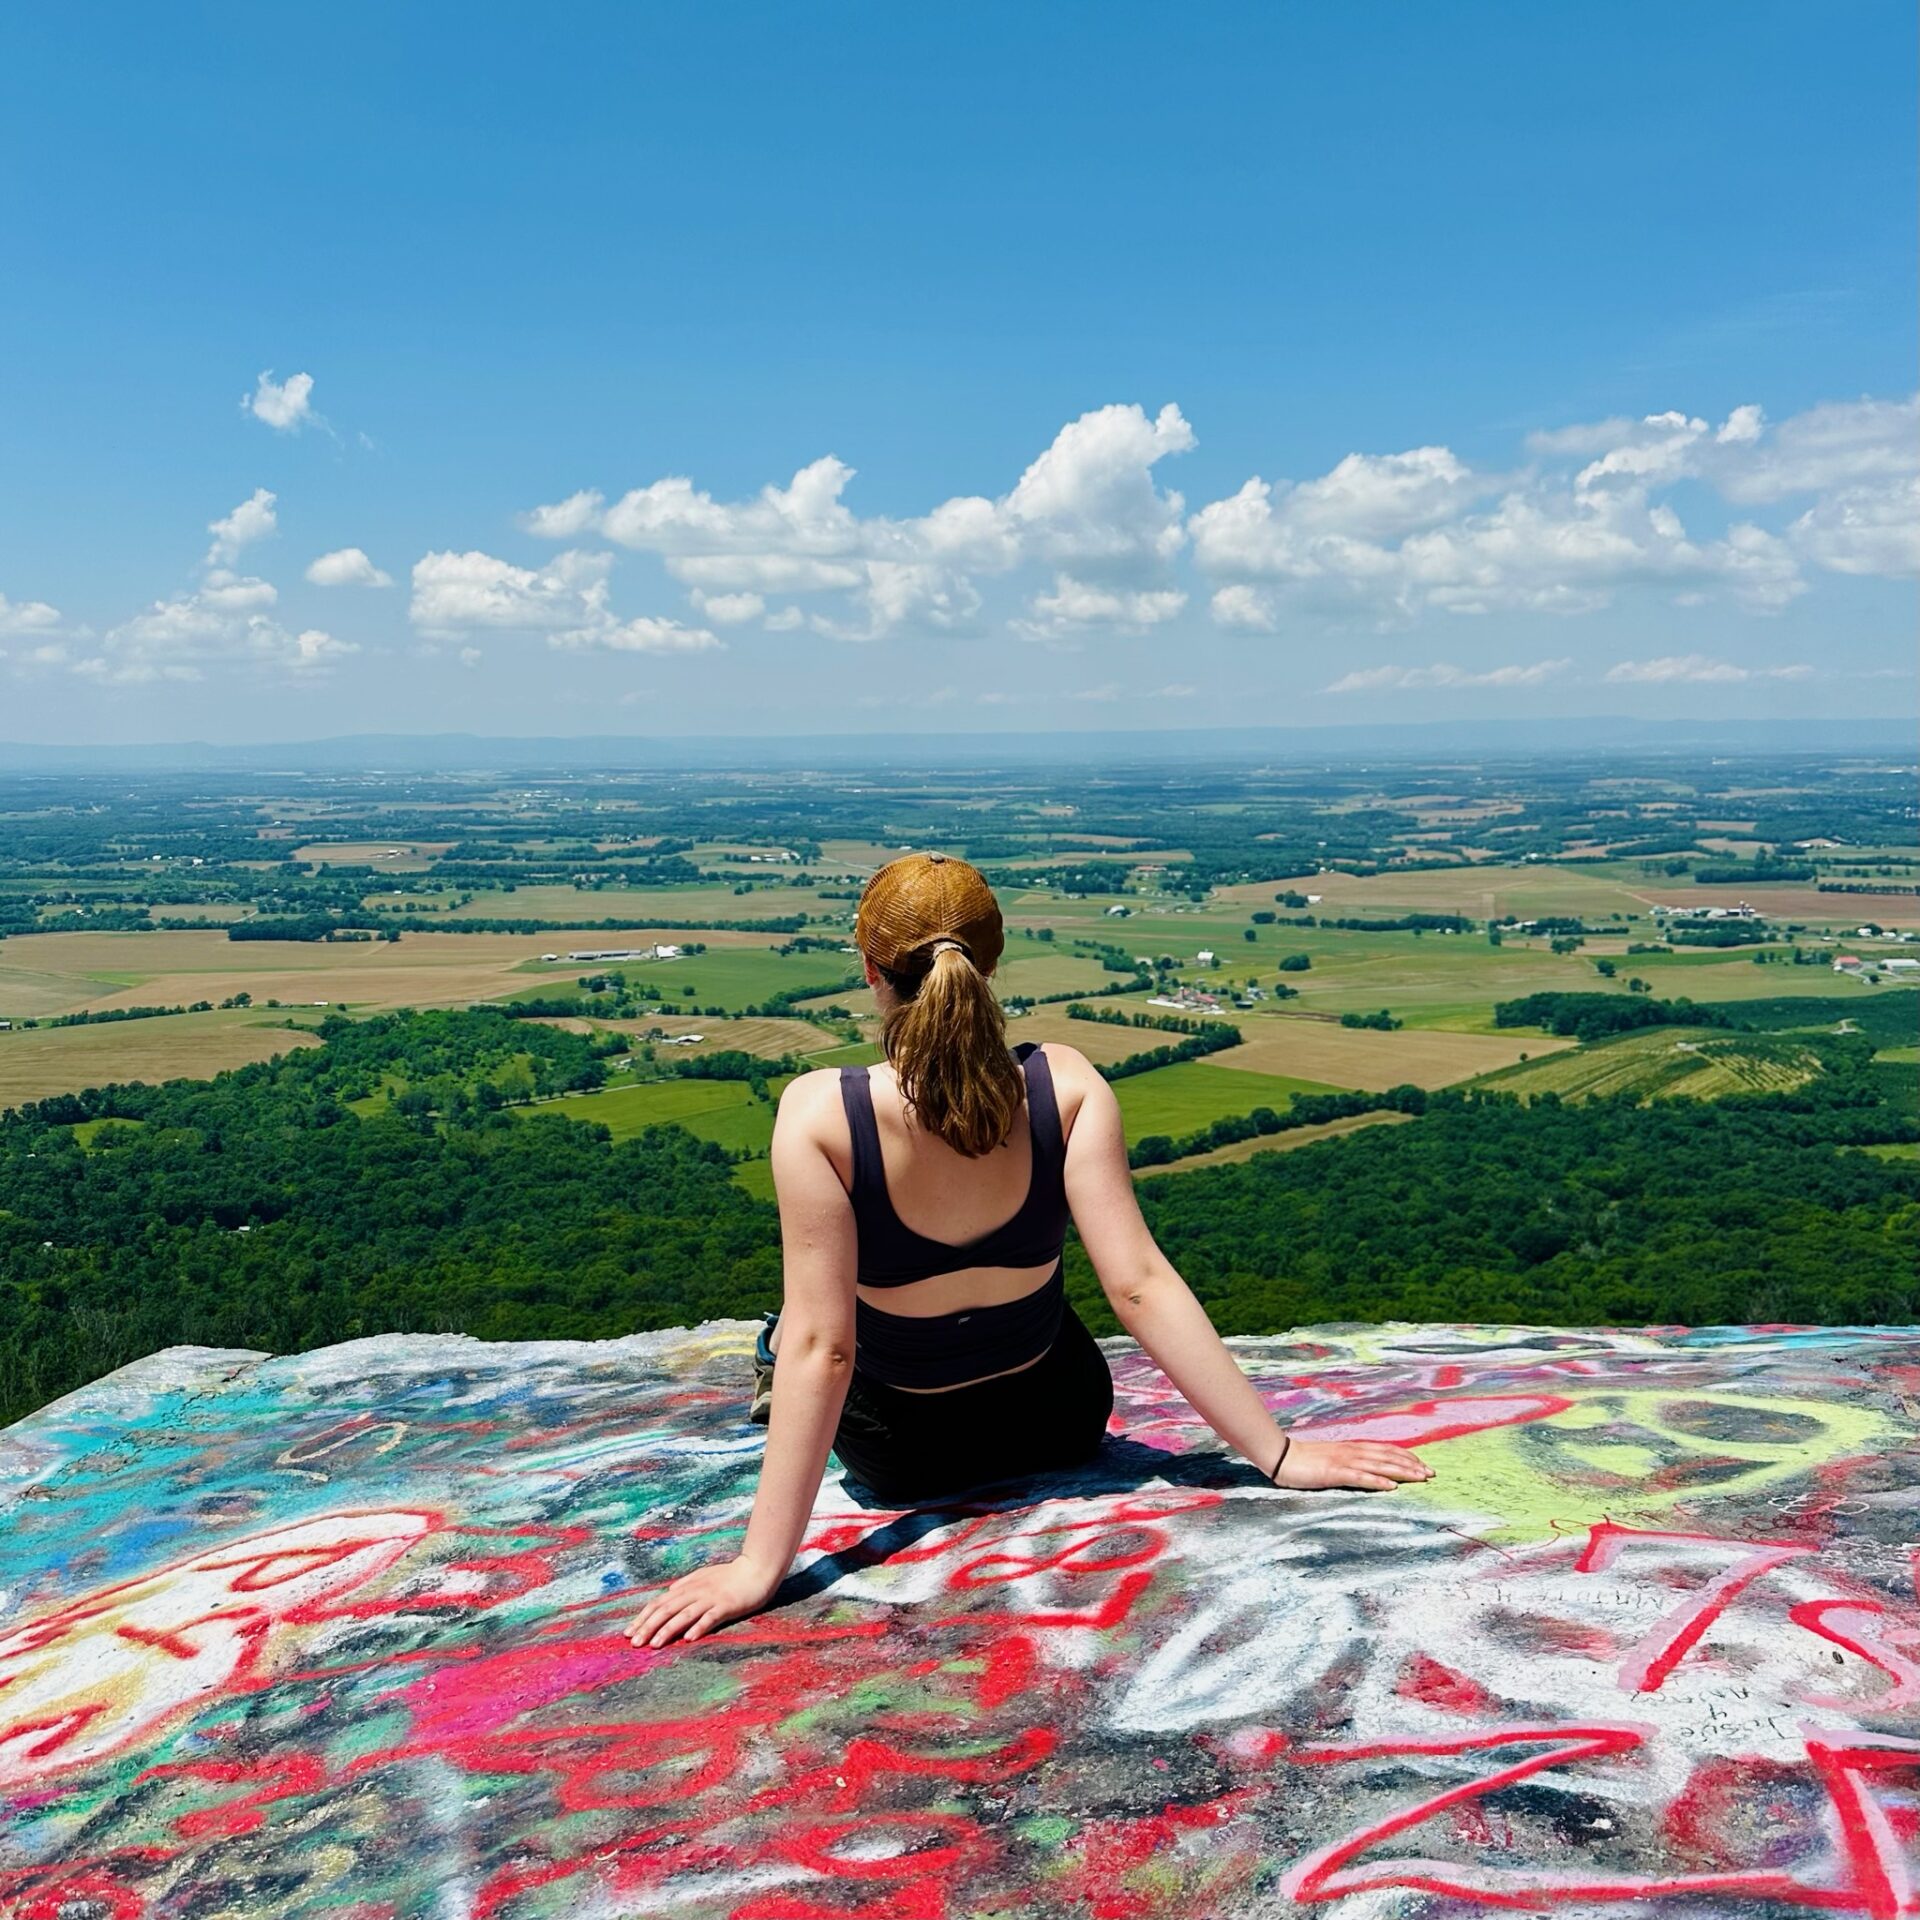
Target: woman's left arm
pixel 809 1382
pixel 1156 1306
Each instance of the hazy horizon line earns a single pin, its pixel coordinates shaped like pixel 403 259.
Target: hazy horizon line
pixel 1568 733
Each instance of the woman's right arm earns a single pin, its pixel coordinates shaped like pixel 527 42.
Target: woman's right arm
pixel 1159 1310
pixel 819 1251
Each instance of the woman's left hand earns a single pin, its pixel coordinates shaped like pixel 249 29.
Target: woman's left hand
pixel 699 1602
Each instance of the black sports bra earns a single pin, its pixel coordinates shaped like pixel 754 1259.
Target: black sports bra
pixel 948 1349
pixel 893 1255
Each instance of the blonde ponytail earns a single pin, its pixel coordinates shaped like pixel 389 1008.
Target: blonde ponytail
pixel 946 1041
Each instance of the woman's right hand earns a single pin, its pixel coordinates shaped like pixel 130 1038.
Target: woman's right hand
pixel 1311 1466
pixel 698 1602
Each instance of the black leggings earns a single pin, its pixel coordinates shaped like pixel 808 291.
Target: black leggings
pixel 909 1446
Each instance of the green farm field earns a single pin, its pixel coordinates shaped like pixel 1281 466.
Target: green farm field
pixel 1172 1100
pixel 733 978
pixel 723 1111
pixel 1043 972
pixel 1193 1093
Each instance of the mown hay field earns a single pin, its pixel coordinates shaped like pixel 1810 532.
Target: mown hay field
pixel 770 1039
pixel 185 1046
pixel 1101 1043
pixel 392 856
pixel 1701 1063
pixel 857 856
pixel 1794 902
pixel 1484 892
pixel 1601 892
pixel 42 973
pixel 1372 1061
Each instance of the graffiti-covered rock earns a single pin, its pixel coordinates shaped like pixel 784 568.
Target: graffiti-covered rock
pixel 342 1633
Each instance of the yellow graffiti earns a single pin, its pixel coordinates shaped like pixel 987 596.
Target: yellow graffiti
pixel 1632 1460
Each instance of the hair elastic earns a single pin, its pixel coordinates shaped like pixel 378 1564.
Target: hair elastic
pixel 1286 1447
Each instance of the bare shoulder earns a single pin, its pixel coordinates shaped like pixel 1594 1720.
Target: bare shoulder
pixel 809 1098
pixel 1076 1080
pixel 1070 1066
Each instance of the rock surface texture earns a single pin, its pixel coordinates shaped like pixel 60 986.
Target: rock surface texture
pixel 340 1634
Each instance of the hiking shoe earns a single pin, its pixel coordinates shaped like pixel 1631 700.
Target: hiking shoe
pixel 762 1409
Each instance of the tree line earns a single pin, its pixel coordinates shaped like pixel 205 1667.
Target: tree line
pixel 283 1206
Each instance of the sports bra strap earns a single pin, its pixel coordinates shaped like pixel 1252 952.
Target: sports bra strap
pixel 856 1096
pixel 1043 1109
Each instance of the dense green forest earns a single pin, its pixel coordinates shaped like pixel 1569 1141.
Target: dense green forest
pixel 1601 1213
pixel 262 1210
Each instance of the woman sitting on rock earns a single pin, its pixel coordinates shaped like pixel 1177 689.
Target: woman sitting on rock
pixel 925 1335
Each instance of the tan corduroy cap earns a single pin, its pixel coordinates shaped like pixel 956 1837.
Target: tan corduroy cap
pixel 923 897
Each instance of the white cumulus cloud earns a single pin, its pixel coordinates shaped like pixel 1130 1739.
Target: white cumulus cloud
pixel 285 405
pixel 1592 512
pixel 729 609
pixel 453 592
pixel 567 600
pixel 641 635
pixel 1089 498
pixel 1244 607
pixel 253 519
pixel 1865 529
pixel 1077 606
pixel 566 519
pixel 27 616
pixel 223 623
pixel 313 651
pixel 347 567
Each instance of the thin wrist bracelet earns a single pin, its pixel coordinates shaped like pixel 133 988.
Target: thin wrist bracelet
pixel 1286 1447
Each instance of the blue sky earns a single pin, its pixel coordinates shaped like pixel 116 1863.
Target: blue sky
pixel 1139 366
